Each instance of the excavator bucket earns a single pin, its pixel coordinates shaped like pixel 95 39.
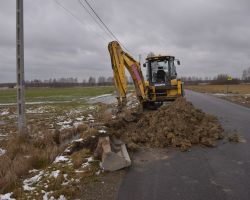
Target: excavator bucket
pixel 113 152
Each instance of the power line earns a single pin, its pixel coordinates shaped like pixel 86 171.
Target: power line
pixel 74 16
pixel 97 22
pixel 107 28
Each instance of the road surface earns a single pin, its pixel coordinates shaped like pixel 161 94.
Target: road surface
pixel 203 173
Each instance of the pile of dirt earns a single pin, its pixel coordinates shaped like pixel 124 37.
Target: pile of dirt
pixel 178 124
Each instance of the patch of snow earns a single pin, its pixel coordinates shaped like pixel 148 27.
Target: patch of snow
pixel 2 151
pixel 79 140
pixel 91 108
pixel 79 171
pixel 76 124
pixel 90 159
pixel 4 112
pixel 85 164
pixel 62 197
pixel 33 170
pixel 46 197
pixel 90 117
pixel 55 174
pixel 74 111
pixel 64 122
pixel 100 96
pixel 80 118
pixel 65 126
pixel 30 181
pixel 102 131
pixel 98 172
pixel 6 196
pixel 61 159
pixel 28 188
pixel 38 110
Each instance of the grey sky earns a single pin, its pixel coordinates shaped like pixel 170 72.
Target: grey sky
pixel 209 37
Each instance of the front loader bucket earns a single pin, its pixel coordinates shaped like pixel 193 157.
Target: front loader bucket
pixel 114 154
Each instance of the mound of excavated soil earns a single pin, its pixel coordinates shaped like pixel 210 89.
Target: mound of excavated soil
pixel 178 124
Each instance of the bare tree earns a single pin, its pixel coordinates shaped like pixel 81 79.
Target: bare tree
pixel 92 81
pixel 101 80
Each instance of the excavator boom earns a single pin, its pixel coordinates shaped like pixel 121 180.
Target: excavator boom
pixel 121 60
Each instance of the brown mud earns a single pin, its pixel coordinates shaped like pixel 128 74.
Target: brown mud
pixel 178 124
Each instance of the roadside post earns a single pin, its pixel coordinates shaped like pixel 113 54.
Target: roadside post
pixel 229 78
pixel 20 67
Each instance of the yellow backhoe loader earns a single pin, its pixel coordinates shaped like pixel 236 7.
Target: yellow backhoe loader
pixel 161 82
pixel 161 85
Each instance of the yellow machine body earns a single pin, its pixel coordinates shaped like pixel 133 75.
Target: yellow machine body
pixel 161 83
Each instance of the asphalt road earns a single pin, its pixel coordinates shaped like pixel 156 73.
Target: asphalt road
pixel 203 173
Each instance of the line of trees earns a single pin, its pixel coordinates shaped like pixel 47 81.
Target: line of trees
pixel 105 81
pixel 65 82
pixel 71 82
pixel 220 79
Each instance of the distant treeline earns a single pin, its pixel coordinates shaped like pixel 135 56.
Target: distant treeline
pixel 220 79
pixel 65 82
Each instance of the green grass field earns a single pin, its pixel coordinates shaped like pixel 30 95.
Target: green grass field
pixel 55 94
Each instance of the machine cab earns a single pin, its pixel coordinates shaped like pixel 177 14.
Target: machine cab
pixel 160 69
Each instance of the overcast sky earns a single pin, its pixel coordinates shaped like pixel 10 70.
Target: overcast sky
pixel 208 36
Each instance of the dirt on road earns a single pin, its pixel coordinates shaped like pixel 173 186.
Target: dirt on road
pixel 178 124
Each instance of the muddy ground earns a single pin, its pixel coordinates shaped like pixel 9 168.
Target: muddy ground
pixel 178 124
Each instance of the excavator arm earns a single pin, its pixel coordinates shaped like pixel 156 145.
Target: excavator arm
pixel 121 60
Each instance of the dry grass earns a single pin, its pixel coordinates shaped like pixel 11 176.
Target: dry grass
pixel 79 157
pixel 235 89
pixel 23 154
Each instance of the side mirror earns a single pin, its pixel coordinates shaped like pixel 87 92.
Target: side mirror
pixel 144 64
pixel 178 62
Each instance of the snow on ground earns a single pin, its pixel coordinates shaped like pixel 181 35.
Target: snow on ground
pixel 86 164
pixel 38 110
pixel 27 183
pixel 65 126
pixel 45 197
pixel 102 131
pixel 2 151
pixel 76 124
pixel 78 140
pixel 91 108
pixel 33 170
pixel 61 159
pixel 100 96
pixel 64 122
pixel 6 196
pixel 55 173
pixel 80 118
pixel 4 112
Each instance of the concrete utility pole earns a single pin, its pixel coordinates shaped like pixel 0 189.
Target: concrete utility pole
pixel 20 67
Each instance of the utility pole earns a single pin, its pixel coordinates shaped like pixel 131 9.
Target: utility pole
pixel 20 67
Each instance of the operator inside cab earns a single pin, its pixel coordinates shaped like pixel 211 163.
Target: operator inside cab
pixel 160 71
